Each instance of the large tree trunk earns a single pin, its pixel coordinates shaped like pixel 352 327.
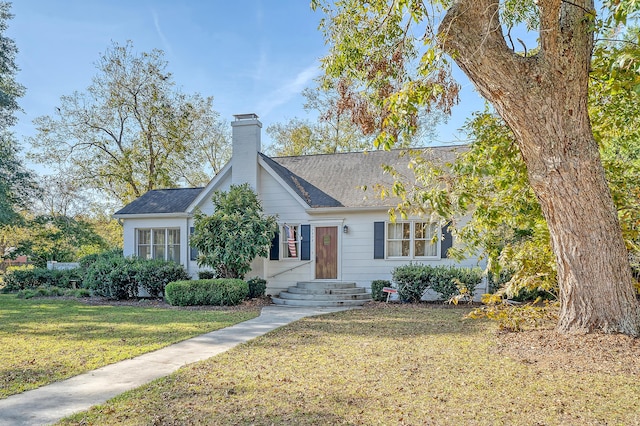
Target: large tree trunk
pixel 543 98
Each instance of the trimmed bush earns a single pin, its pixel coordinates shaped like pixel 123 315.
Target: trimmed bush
pixel 154 275
pixel 17 279
pixel 220 292
pixel 448 281
pixel 414 279
pixel 376 290
pixel 257 287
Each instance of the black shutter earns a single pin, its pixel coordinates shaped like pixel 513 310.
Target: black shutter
pixel 378 240
pixel 305 242
pixel 274 251
pixel 447 241
pixel 193 252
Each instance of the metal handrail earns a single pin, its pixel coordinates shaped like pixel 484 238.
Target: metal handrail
pixel 290 269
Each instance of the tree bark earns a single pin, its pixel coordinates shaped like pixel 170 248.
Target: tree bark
pixel 543 98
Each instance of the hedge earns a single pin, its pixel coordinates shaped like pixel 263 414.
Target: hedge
pixel 220 292
pixel 17 279
pixel 414 279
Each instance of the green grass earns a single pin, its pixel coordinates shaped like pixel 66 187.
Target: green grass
pixel 47 340
pixel 389 366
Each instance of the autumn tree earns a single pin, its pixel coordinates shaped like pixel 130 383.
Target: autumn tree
pixel 333 129
pixel 132 130
pixel 542 95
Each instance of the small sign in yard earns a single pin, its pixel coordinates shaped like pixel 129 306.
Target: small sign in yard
pixel 389 291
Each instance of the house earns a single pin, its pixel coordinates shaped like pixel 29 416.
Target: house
pixel 331 230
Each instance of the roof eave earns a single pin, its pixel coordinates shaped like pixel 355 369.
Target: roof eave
pixel 152 215
pixel 319 210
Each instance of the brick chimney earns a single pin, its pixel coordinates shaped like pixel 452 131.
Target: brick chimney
pixel 245 147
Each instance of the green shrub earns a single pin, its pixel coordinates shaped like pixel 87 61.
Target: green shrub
pixel 206 275
pixel 376 290
pixel 448 281
pixel 412 280
pixel 31 278
pixel 154 275
pixel 90 259
pixel 120 278
pixel 26 294
pixel 113 277
pixel 221 292
pixel 257 287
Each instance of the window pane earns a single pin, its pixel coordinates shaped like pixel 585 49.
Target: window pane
pixel 290 241
pixel 144 244
pixel 158 236
pixel 405 247
pixel 174 236
pixel 394 248
pixel 424 243
pixel 174 253
pixel 144 252
pixel 391 231
pixel 144 236
pixel 406 231
pixel 159 247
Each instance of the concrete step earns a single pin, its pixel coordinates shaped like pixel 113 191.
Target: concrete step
pixel 327 297
pixel 318 303
pixel 346 291
pixel 325 284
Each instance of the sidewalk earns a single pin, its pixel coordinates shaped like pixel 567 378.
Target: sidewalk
pixel 51 403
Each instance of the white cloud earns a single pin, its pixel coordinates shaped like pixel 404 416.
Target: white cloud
pixel 163 39
pixel 288 90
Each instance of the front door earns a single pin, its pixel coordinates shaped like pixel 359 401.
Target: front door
pixel 327 252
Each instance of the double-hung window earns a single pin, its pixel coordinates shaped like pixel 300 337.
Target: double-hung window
pixel 290 241
pixel 158 243
pixel 415 239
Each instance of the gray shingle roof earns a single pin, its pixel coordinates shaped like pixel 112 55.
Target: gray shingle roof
pixel 324 180
pixel 336 180
pixel 175 200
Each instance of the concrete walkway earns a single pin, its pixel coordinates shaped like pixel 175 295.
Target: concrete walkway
pixel 51 403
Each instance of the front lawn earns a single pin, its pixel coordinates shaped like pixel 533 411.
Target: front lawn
pixel 395 365
pixel 46 340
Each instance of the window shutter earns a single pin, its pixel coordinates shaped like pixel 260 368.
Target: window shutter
pixel 378 240
pixel 305 242
pixel 447 241
pixel 274 251
pixel 193 252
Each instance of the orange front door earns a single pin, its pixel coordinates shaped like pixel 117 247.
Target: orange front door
pixel 327 252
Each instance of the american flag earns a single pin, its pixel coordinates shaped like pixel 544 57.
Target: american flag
pixel 291 240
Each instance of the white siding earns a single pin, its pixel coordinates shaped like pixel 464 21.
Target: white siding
pixel 130 226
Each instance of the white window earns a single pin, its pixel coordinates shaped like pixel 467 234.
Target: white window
pixel 159 243
pixel 290 241
pixel 412 239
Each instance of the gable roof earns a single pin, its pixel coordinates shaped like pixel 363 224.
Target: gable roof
pixel 321 181
pixel 337 180
pixel 173 200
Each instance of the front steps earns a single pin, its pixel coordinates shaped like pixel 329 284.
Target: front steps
pixel 323 294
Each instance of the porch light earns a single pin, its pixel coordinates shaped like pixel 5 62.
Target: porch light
pixel 345 229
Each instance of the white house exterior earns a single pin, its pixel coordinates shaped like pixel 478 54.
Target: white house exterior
pixel 330 228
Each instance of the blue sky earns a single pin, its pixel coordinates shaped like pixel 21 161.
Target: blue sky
pixel 250 55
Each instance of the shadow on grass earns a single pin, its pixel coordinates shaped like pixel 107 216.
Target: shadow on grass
pixel 395 321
